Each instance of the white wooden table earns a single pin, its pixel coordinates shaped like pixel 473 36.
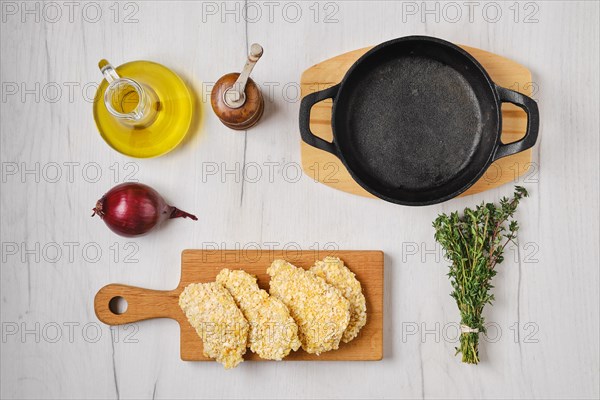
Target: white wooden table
pixel 544 326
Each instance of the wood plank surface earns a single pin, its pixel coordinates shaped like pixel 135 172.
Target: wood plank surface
pixel 544 324
pixel 204 265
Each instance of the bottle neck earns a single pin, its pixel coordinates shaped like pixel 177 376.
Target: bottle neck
pixel 127 100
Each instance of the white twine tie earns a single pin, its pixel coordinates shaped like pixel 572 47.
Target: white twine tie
pixel 468 329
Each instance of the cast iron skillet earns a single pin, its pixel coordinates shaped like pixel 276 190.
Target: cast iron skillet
pixel 417 120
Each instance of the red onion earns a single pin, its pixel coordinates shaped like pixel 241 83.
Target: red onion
pixel 132 209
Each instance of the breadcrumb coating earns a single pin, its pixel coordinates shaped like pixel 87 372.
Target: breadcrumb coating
pixel 211 310
pixel 273 332
pixel 320 310
pixel 333 270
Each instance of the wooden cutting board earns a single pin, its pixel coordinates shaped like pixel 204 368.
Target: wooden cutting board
pixel 326 168
pixel 204 265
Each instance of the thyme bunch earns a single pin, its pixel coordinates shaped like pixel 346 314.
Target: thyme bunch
pixel 474 243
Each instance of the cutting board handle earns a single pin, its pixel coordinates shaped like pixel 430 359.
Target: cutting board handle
pixel 142 304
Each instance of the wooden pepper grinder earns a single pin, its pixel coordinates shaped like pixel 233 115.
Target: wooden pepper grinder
pixel 236 99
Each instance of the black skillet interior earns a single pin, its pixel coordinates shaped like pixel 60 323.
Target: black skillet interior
pixel 416 121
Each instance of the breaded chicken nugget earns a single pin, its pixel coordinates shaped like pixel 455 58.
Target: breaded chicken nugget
pixel 273 332
pixel 320 310
pixel 333 270
pixel 211 310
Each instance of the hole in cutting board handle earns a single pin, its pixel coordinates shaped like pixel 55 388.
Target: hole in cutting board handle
pixel 117 305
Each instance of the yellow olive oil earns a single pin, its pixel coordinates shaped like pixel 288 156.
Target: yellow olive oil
pixel 170 101
pixel 126 99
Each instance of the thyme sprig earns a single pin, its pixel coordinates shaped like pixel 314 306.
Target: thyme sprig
pixel 474 243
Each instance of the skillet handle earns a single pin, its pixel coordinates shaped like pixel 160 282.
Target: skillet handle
pixel 305 106
pixel 533 122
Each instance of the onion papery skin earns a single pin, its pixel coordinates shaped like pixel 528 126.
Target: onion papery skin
pixel 134 209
